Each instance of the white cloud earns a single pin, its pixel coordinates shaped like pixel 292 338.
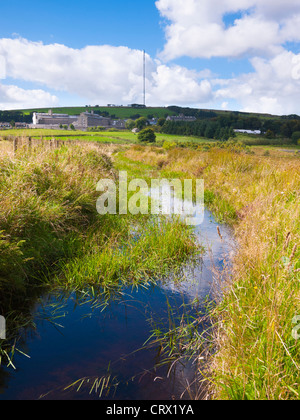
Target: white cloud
pixel 2 68
pixel 197 28
pixel 255 29
pixel 274 86
pixel 106 74
pixel 13 97
pixel 177 85
pixel 102 74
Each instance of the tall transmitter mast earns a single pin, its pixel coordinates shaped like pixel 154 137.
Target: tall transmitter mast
pixel 144 76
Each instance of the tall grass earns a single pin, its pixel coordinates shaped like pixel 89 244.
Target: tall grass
pixel 130 257
pixel 51 234
pixel 47 202
pixel 256 356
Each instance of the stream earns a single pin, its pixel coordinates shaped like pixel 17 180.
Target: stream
pixel 91 341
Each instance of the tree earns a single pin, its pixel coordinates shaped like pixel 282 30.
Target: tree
pixel 72 127
pixel 147 135
pixel 210 131
pixel 141 123
pixel 286 130
pixel 296 137
pixel 161 121
pixel 130 124
pixel 270 134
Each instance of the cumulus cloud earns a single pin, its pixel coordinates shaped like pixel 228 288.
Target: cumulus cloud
pixel 106 74
pixel 273 87
pixel 178 85
pixel 198 28
pixel 102 73
pixel 13 97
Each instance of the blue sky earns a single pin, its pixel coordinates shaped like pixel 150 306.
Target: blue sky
pixel 230 54
pixel 76 24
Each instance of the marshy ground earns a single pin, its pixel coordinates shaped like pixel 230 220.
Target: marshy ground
pixel 52 237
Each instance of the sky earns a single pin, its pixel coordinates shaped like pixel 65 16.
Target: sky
pixel 239 55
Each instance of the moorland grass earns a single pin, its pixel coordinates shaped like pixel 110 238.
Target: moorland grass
pixel 256 355
pixel 52 236
pixel 47 203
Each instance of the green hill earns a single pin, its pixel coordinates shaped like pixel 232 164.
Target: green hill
pixel 117 112
pixel 125 112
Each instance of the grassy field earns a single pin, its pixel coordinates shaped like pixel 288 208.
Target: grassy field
pixel 124 136
pixel 40 133
pixel 118 137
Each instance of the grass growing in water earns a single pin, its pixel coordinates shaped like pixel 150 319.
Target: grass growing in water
pixel 131 257
pixel 257 355
pixel 52 235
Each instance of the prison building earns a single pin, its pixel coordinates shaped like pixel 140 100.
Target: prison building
pixel 86 120
pixel 51 119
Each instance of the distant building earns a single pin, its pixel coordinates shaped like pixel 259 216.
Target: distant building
pixel 138 106
pixel 120 124
pixel 5 125
pixel 257 132
pixel 21 125
pixel 153 121
pixel 87 119
pixel 82 122
pixel 181 117
pixel 51 119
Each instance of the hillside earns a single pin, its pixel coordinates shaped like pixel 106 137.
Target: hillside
pixel 211 124
pixel 157 112
pixel 117 112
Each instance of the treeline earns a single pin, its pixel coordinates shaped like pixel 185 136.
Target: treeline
pixel 192 112
pixel 211 124
pixel 15 116
pixel 208 129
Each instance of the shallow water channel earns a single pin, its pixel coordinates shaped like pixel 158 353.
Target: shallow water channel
pixel 92 341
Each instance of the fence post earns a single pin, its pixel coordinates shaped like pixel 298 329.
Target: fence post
pixel 29 144
pixel 15 145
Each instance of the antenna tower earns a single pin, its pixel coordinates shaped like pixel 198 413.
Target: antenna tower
pixel 144 76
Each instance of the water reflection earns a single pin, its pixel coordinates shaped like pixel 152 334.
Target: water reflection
pixel 85 335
